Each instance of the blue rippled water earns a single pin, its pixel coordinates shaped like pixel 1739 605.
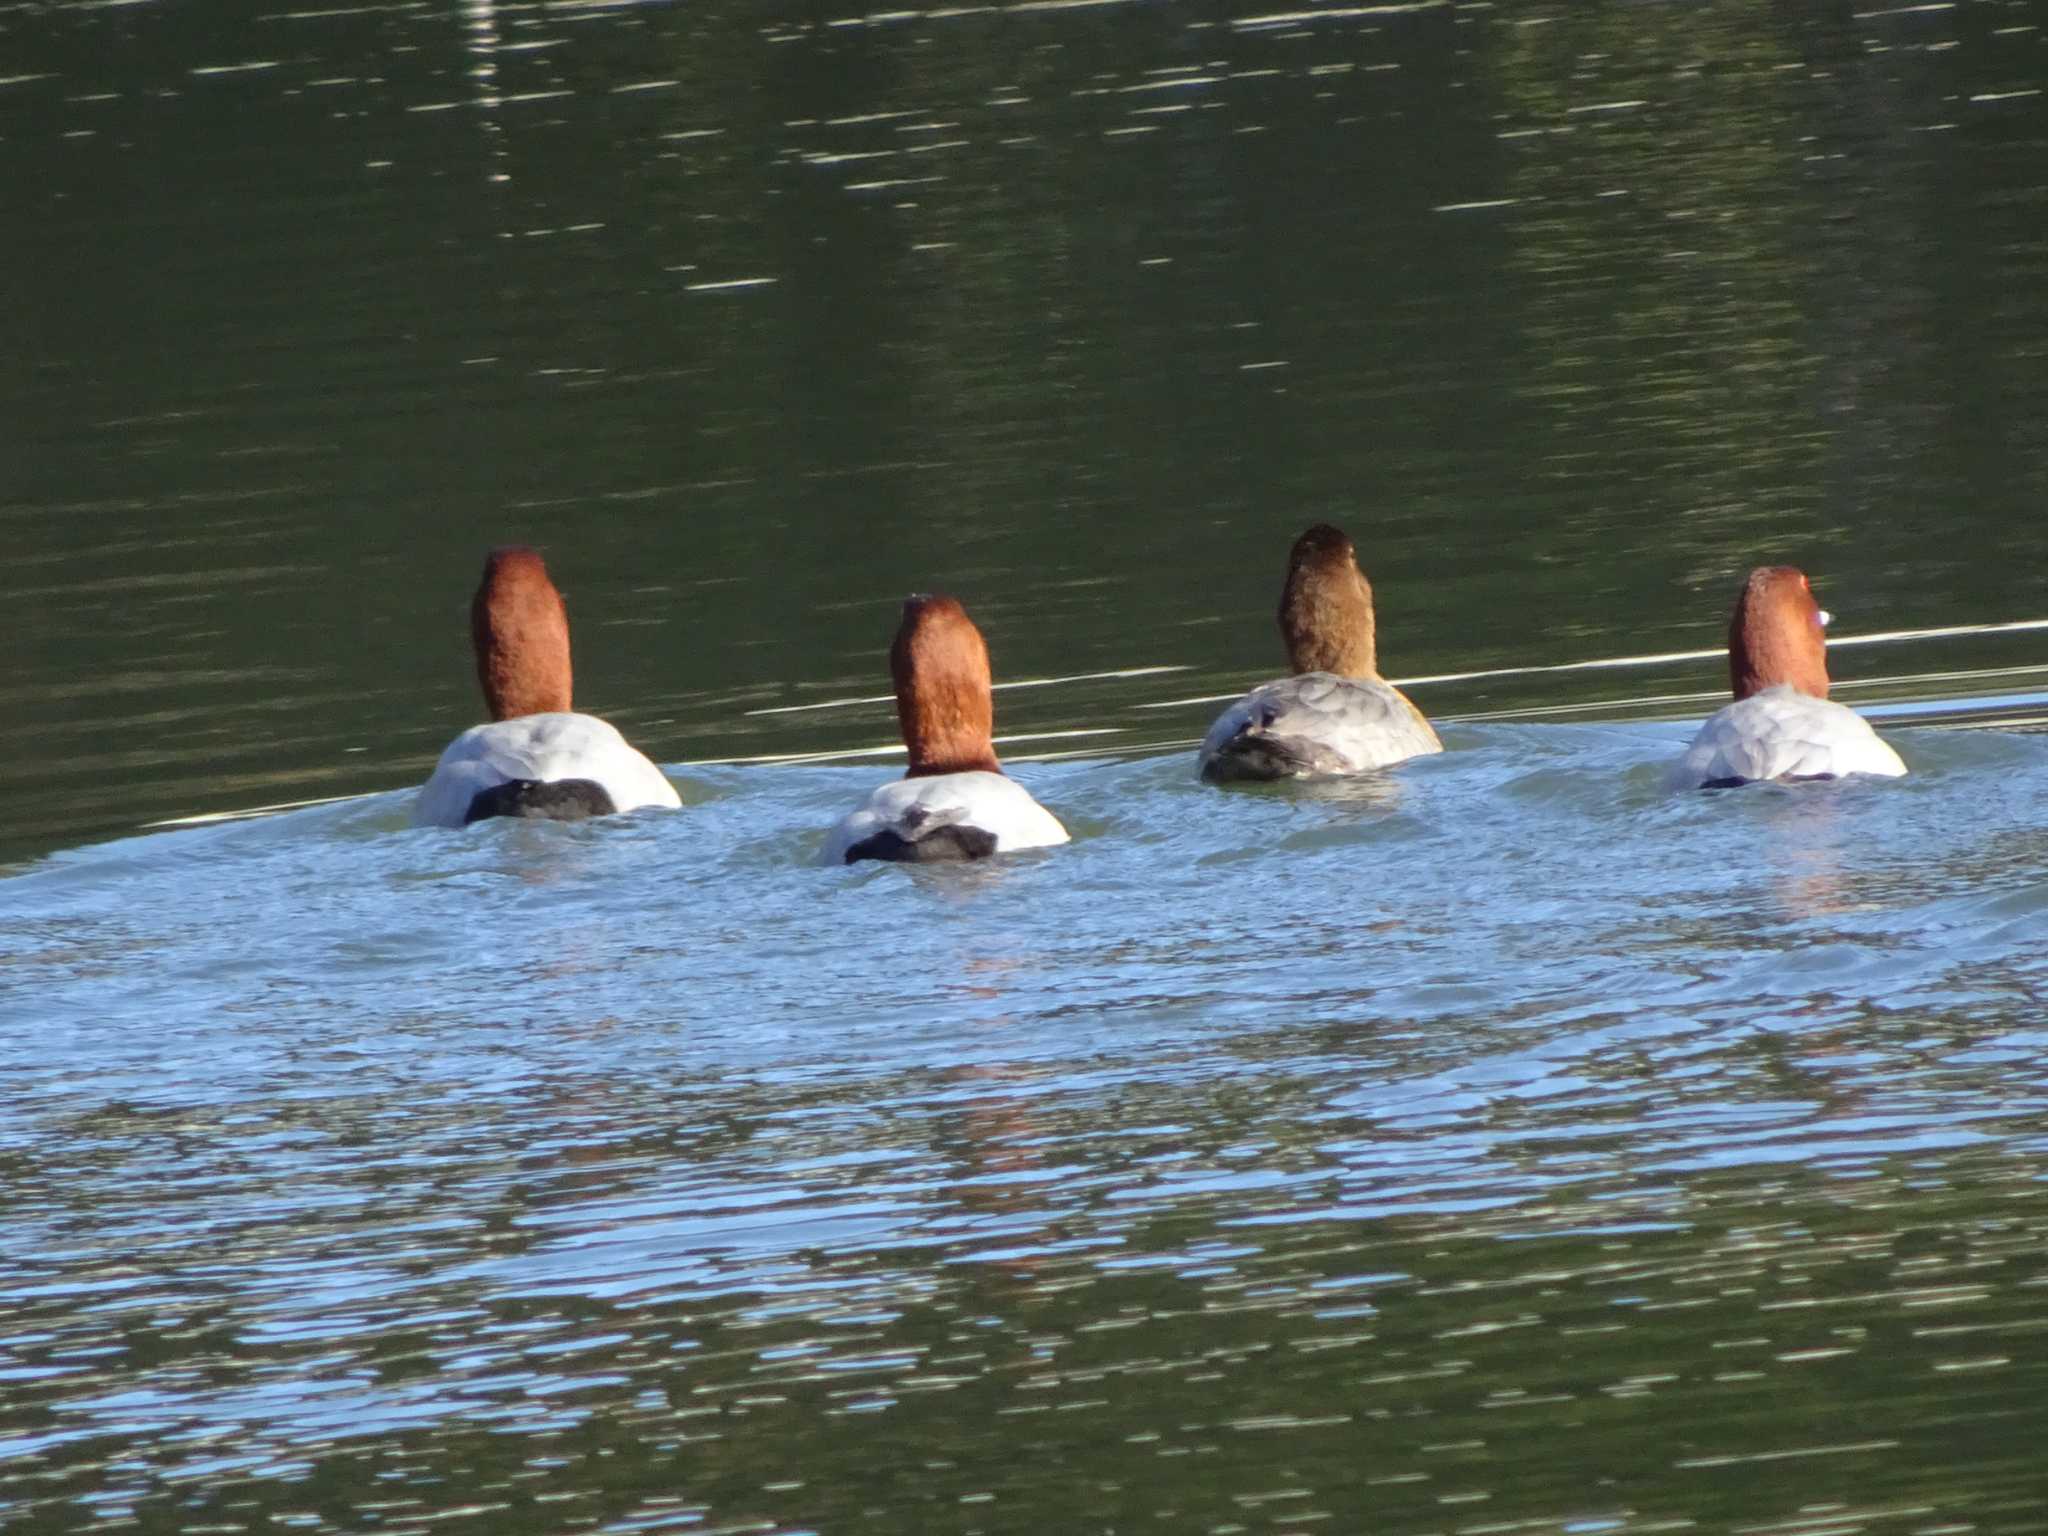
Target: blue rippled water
pixel 1502 1085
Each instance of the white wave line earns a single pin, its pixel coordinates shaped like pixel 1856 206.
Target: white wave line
pixel 1835 642
pixel 1661 658
pixel 208 818
pixel 1199 698
pixel 1597 707
pixel 1942 633
pixel 798 709
pixel 1339 13
pixel 1021 682
pixel 1916 679
pixel 1880 637
pixel 893 749
pixel 1998 723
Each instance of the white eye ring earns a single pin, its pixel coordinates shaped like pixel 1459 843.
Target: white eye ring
pixel 1826 618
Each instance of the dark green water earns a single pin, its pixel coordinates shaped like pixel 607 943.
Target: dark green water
pixel 1501 1146
pixel 1569 312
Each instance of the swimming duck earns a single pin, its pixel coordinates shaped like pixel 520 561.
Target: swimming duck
pixel 536 757
pixel 955 802
pixel 1336 715
pixel 1782 724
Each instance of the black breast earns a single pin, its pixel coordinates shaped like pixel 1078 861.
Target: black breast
pixel 553 799
pixel 949 842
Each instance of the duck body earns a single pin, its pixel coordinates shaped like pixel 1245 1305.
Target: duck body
pixel 1783 733
pixel 1334 714
pixel 558 764
pixel 947 816
pixel 537 757
pixel 1315 725
pixel 1782 724
pixel 955 802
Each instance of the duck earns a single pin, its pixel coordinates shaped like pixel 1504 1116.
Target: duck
pixel 537 757
pixel 1335 715
pixel 1782 724
pixel 955 801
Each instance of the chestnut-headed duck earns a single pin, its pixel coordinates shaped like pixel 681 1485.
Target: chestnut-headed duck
pixel 1336 714
pixel 536 757
pixel 1782 724
pixel 955 802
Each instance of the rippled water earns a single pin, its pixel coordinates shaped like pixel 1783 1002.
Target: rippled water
pixel 1499 1145
pixel 1503 1142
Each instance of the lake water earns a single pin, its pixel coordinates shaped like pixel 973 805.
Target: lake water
pixel 1498 1145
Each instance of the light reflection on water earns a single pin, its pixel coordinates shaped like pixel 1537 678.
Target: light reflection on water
pixel 1509 1134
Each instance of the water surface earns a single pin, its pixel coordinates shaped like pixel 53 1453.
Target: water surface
pixel 758 319
pixel 1498 1145
pixel 1502 1141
